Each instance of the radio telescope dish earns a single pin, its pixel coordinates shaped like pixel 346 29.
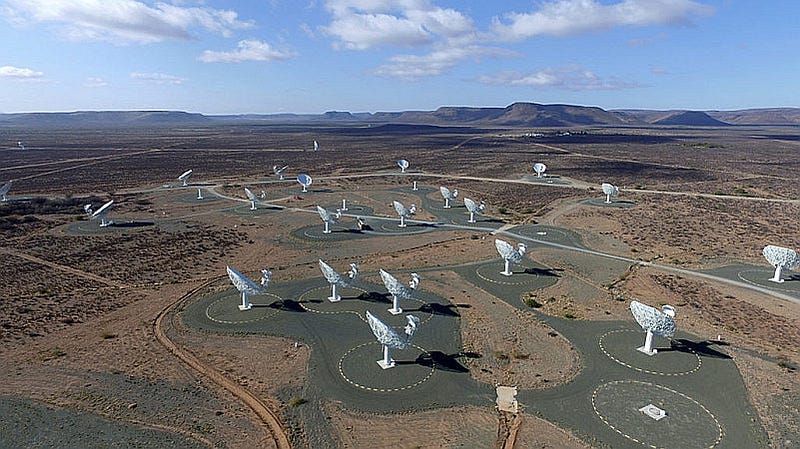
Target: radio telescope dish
pixel 655 322
pixel 99 213
pixel 510 254
pixel 316 146
pixel 610 190
pixel 539 168
pixel 248 287
pixel 279 170
pixel 253 198
pixel 304 181
pixel 4 191
pixel 399 290
pixel 328 218
pixel 403 212
pixel 473 208
pixel 185 177
pixel 337 280
pixel 448 195
pixel 780 258
pixel 390 338
pixel 403 164
pixel 21 145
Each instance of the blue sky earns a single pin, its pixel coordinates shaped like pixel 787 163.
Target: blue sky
pixel 311 56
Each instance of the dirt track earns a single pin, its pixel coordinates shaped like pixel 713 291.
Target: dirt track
pixel 271 420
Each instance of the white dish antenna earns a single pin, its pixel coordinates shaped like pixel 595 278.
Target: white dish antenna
pixel 539 168
pixel 253 198
pixel 403 212
pixel 399 290
pixel 610 190
pixel 100 213
pixel 328 218
pixel 448 195
pixel 510 254
pixel 473 208
pixel 21 145
pixel 247 287
pixel 316 146
pixel 304 181
pixel 403 164
pixel 655 322
pixel 185 177
pixel 781 258
pixel 390 338
pixel 4 191
pixel 279 170
pixel 336 279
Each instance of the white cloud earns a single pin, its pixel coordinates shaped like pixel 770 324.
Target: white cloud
pixel 157 78
pixel 573 78
pixel 125 20
pixel 95 82
pixel 569 17
pixel 247 50
pixel 413 67
pixel 19 73
pixel 363 24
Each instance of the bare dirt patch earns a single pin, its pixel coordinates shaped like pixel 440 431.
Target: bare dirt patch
pixel 514 347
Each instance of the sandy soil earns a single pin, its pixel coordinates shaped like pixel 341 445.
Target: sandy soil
pixel 515 348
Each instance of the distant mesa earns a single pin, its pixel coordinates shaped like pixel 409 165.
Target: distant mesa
pixel 520 114
pixel 690 118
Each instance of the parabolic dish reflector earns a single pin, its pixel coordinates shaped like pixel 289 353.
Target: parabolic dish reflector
pixel 250 195
pixel 653 320
pixel 402 163
pixel 304 179
pixel 507 251
pixel 386 335
pixel 185 175
pixel 6 187
pixel 610 189
pixel 279 170
pixel 395 287
pixel 242 283
pixel 401 210
pixel 103 209
pixel 539 168
pixel 326 216
pixel 472 206
pixel 447 194
pixel 779 256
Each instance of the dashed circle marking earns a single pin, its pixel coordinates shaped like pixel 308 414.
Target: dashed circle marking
pixel 527 278
pixel 427 375
pixel 644 370
pixel 255 309
pixel 655 388
pixel 302 301
pixel 766 282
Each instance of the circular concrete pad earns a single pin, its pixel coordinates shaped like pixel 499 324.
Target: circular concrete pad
pixel 359 367
pixel 620 345
pixel 761 278
pixel 338 233
pixel 523 274
pixel 225 308
pixel 687 423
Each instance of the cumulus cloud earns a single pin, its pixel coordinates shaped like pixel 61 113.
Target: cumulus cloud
pixel 19 73
pixel 125 20
pixel 413 67
pixel 247 50
pixel 363 24
pixel 573 78
pixel 569 17
pixel 158 78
